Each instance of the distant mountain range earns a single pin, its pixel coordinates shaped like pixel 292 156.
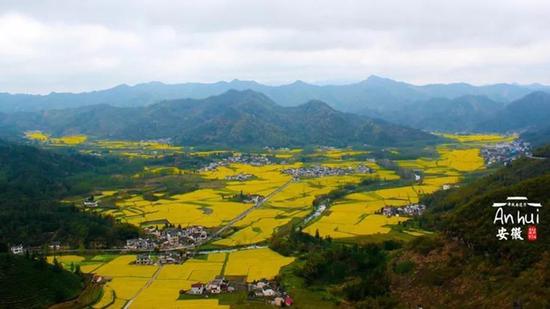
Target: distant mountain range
pixel 371 95
pixel 455 107
pixel 464 113
pixel 234 118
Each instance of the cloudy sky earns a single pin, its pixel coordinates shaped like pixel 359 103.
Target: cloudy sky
pixel 83 45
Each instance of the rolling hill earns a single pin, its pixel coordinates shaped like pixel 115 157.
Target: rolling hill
pixel 32 181
pixel 234 118
pixel 460 114
pixel 529 112
pixel 463 264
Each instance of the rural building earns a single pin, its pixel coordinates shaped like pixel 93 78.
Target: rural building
pixel 196 288
pixel 17 249
pixel 144 259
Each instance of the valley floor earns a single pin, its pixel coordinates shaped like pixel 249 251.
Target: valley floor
pixel 364 211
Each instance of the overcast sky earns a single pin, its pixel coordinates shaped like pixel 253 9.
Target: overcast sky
pixel 84 45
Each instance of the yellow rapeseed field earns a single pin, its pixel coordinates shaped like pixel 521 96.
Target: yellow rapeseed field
pixel 495 138
pixel 69 140
pixel 36 136
pixel 463 160
pixel 107 298
pixel 256 264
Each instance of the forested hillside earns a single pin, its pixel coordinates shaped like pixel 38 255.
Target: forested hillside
pixel 464 264
pixel 31 183
pixel 235 118
pixel 30 282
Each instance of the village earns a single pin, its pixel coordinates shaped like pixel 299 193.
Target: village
pixel 505 153
pixel 169 238
pixel 249 158
pixel 266 291
pixel 410 210
pixel 239 177
pixel 323 171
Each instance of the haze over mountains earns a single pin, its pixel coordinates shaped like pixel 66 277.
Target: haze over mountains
pixel 281 115
pixel 234 118
pixel 373 94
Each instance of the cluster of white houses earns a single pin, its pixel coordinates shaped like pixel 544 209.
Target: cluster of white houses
pixel 504 153
pixel 168 238
pixel 315 171
pixel 216 286
pixel 409 210
pixel 18 249
pixel 269 291
pixel 250 159
pixel 239 177
pixel 165 257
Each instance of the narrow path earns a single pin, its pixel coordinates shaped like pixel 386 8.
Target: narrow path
pixel 149 282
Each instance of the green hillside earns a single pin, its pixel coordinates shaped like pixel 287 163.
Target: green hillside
pixel 464 265
pixel 232 119
pixel 31 183
pixel 33 283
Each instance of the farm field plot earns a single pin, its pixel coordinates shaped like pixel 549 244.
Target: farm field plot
pixel 255 264
pixel 36 136
pixel 485 138
pixel 163 291
pixel 126 280
pixel 121 267
pixel 256 232
pixel 452 161
pixel 355 214
pixel 295 201
pixel 340 153
pixel 86 263
pixel 107 299
pixel 463 160
pixel 69 140
pixel 205 207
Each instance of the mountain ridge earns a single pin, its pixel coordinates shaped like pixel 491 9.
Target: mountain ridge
pixel 378 93
pixel 234 118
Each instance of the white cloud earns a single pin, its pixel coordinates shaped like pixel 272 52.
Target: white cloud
pixel 76 45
